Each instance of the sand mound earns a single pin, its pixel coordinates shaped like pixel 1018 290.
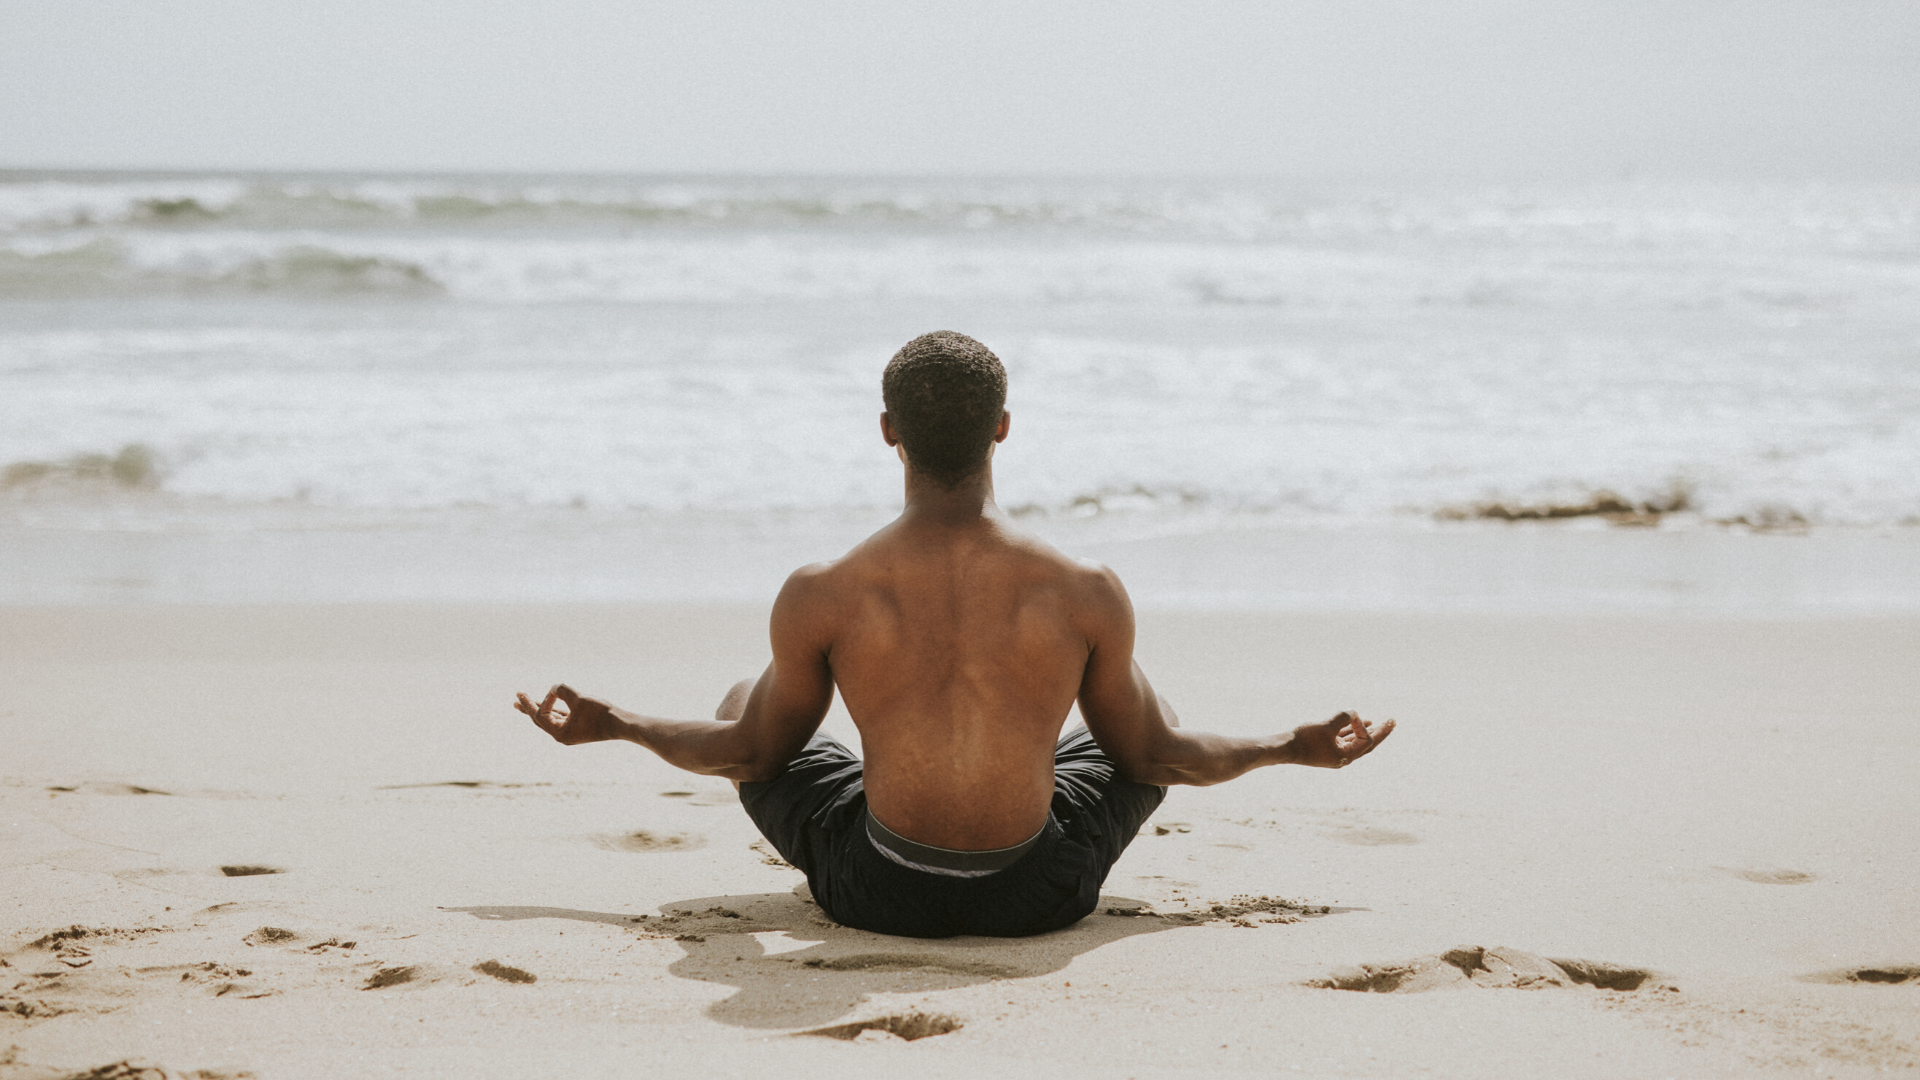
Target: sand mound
pixel 1491 968
pixel 907 1026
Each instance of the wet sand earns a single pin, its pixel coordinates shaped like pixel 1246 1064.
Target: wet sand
pixel 313 841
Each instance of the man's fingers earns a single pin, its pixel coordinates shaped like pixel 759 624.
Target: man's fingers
pixel 1350 734
pixel 1375 736
pixel 541 714
pixel 565 693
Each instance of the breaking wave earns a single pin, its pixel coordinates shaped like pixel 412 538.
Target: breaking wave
pixel 108 266
pixel 514 240
pixel 52 202
pixel 762 267
pixel 133 468
pixel 1867 217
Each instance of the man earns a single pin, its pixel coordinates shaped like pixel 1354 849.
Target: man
pixel 959 644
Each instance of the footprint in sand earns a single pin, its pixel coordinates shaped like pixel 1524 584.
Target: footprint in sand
pixel 75 945
pixel 391 976
pixel 1767 876
pixel 496 969
pixel 88 982
pixel 410 976
pixel 217 980
pixel 280 936
pixel 1367 836
pixel 1491 968
pixel 93 788
pixel 644 841
pixel 1878 975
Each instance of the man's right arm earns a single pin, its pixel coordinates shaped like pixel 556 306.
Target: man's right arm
pixel 762 723
pixel 1138 730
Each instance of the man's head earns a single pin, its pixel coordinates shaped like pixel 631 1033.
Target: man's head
pixel 945 395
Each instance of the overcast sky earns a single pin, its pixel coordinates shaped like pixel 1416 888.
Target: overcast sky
pixel 1330 88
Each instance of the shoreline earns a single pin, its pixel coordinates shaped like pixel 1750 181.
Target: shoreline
pixel 1169 562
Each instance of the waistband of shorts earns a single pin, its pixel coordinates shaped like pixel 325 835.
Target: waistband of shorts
pixel 939 860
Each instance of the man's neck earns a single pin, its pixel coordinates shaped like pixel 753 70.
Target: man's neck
pixel 931 503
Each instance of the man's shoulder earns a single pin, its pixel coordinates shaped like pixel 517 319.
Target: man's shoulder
pixel 833 574
pixel 1085 572
pixel 1098 588
pixel 803 590
pixel 810 581
pixel 1091 587
pixel 820 586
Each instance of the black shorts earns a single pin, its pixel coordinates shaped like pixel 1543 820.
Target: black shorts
pixel 814 815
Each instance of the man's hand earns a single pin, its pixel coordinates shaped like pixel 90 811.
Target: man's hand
pixel 574 719
pixel 1337 742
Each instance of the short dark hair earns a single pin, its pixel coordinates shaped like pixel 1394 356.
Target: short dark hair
pixel 945 393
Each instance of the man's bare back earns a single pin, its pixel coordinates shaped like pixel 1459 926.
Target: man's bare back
pixel 959 644
pixel 959 649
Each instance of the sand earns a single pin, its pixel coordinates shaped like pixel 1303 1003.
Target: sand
pixel 313 841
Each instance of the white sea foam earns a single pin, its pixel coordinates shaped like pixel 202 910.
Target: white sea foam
pixel 857 267
pixel 1858 217
pixel 1178 351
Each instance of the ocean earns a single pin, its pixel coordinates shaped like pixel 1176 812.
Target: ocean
pixel 266 387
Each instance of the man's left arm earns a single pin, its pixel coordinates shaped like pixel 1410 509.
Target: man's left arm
pixel 763 723
pixel 1138 730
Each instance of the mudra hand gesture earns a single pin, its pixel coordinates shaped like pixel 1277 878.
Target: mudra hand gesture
pixel 1338 742
pixel 570 718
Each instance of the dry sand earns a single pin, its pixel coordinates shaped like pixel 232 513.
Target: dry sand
pixel 315 842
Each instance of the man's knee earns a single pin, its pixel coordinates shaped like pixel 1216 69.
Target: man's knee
pixel 734 705
pixel 1166 710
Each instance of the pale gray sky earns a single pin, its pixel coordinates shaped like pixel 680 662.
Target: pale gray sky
pixel 1476 88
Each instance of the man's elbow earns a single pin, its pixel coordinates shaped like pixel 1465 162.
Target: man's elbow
pixel 757 766
pixel 1163 762
pixel 756 772
pixel 738 753
pixel 1143 769
pixel 1158 777
pixel 1162 775
pixel 1184 760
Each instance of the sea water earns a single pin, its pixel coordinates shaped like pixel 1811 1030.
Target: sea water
pixel 237 387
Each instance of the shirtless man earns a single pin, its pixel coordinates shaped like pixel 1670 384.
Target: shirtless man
pixel 959 644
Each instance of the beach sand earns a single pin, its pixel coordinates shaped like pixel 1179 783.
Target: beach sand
pixel 314 841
